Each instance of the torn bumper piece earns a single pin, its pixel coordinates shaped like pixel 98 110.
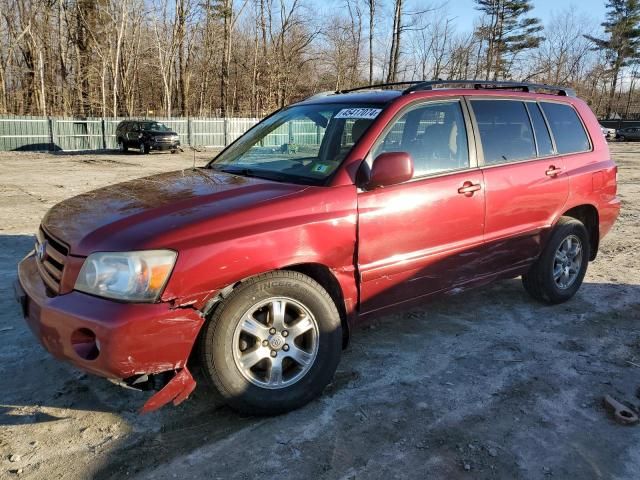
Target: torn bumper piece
pixel 108 338
pixel 177 390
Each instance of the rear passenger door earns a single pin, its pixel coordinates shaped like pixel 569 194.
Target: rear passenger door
pixel 525 183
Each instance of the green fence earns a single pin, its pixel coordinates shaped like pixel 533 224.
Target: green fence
pixel 74 134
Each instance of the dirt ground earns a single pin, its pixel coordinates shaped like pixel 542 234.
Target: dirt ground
pixel 486 384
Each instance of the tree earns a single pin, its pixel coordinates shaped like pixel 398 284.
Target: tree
pixel 623 41
pixel 372 14
pixel 507 31
pixel 564 55
pixel 225 8
pixel 394 55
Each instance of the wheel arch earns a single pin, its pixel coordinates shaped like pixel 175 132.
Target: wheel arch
pixel 318 272
pixel 589 216
pixel 325 277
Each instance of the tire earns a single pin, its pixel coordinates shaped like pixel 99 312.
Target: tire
pixel 621 138
pixel 174 151
pixel 252 389
pixel 122 147
pixel 540 281
pixel 144 149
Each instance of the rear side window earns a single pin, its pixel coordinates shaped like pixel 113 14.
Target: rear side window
pixel 435 136
pixel 543 139
pixel 566 127
pixel 505 131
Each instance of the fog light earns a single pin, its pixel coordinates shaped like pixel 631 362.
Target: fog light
pixel 85 344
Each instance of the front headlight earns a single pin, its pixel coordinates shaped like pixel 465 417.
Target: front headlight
pixel 132 276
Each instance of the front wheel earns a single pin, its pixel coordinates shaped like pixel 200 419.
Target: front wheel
pixel 559 271
pixel 273 345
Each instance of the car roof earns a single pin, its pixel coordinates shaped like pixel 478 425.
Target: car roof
pixel 363 96
pixel 383 97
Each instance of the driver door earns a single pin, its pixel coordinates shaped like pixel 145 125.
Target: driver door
pixel 424 235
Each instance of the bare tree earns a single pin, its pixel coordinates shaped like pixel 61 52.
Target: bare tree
pixel 394 54
pixel 372 14
pixel 212 57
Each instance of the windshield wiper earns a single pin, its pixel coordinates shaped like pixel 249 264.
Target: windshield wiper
pixel 247 172
pixel 267 175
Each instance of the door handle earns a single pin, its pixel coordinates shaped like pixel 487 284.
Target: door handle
pixel 553 171
pixel 468 188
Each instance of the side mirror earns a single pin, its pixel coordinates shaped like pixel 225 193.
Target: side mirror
pixel 390 168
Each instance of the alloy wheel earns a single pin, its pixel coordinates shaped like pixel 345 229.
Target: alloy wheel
pixel 275 342
pixel 567 262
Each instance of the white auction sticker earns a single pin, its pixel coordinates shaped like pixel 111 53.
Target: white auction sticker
pixel 364 113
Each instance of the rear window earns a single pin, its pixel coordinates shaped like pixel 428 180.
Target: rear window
pixel 505 131
pixel 566 127
pixel 543 139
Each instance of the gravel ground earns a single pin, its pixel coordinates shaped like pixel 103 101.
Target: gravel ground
pixel 486 384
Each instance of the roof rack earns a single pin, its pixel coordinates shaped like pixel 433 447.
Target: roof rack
pixel 419 85
pixel 319 94
pixel 493 85
pixel 380 86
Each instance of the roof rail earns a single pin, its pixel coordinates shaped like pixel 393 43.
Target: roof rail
pixel 326 93
pixel 492 85
pixel 380 86
pixel 418 85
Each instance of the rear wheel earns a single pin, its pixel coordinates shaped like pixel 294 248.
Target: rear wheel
pixel 122 147
pixel 272 345
pixel 559 271
pixel 143 148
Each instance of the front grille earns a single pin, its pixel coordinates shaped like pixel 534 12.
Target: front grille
pixel 50 259
pixel 164 139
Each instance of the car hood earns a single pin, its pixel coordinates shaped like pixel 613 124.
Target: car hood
pixel 147 212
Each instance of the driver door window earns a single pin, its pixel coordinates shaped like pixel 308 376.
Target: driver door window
pixel 433 134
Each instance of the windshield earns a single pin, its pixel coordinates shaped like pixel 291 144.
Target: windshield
pixel 153 127
pixel 302 144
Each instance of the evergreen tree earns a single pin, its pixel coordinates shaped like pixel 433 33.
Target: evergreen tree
pixel 507 30
pixel 622 44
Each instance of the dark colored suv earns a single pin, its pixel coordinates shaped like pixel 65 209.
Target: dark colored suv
pixel 146 135
pixel 628 134
pixel 256 267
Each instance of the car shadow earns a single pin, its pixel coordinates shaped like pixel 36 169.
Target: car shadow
pixel 38 147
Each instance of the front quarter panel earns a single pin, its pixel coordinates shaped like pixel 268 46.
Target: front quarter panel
pixel 317 225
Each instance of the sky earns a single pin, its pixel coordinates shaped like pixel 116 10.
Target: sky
pixel 465 12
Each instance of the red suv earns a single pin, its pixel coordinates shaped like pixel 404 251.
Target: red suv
pixel 255 267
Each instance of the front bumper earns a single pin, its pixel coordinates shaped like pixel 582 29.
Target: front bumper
pixel 105 337
pixel 154 145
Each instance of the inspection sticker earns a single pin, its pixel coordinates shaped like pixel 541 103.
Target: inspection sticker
pixel 320 168
pixel 366 113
